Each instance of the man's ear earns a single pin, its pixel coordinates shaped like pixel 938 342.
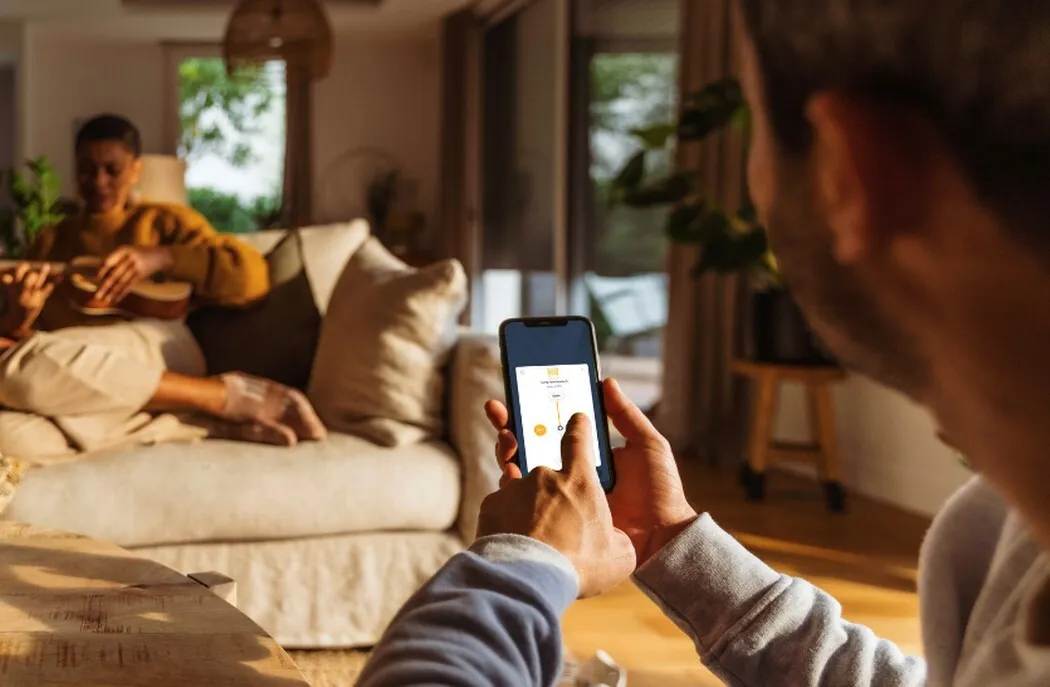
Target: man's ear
pixel 868 166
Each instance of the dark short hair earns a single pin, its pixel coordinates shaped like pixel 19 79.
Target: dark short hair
pixel 978 70
pixel 111 127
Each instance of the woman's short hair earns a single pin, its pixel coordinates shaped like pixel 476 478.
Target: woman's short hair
pixel 110 127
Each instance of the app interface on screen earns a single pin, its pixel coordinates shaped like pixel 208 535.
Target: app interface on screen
pixel 547 397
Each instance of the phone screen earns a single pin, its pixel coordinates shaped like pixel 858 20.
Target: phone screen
pixel 551 370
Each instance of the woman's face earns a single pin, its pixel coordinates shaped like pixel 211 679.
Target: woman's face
pixel 107 171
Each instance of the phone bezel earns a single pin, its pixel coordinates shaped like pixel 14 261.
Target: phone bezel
pixel 512 404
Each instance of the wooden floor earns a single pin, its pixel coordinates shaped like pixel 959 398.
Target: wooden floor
pixel 865 558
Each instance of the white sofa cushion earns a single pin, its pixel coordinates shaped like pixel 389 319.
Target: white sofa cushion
pixel 378 372
pixel 226 491
pixel 476 377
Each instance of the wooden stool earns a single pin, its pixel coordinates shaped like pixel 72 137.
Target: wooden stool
pixel 762 451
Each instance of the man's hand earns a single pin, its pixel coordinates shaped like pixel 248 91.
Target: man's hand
pixel 566 510
pixel 26 293
pixel 128 265
pixel 648 502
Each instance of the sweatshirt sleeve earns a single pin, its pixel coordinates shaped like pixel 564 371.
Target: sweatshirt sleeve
pixel 491 616
pixel 753 626
pixel 222 269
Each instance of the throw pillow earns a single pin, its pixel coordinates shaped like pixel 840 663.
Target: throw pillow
pixel 384 343
pixel 275 338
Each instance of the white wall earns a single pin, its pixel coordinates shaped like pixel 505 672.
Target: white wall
pixel 889 446
pixel 383 93
pixel 71 79
pixel 12 46
pixel 626 19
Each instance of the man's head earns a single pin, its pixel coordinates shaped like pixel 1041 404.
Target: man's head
pixel 900 155
pixel 108 151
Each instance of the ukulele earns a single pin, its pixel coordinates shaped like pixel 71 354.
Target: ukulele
pixel 169 300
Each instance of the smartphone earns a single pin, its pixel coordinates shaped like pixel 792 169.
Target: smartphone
pixel 550 370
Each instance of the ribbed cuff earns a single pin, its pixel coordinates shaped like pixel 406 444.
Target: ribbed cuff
pixel 514 548
pixel 705 580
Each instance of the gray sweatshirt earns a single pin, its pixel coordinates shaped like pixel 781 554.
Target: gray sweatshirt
pixel 491 615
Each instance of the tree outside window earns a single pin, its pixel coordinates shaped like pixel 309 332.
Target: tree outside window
pixel 231 135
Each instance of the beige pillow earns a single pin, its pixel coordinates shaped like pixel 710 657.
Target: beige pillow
pixel 384 343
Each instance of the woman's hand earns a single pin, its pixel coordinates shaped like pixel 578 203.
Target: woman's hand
pixel 128 265
pixel 648 502
pixel 26 293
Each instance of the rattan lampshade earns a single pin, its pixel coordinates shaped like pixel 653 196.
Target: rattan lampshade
pixel 296 31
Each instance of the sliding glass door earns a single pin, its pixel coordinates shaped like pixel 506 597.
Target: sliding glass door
pixel 564 87
pixel 523 177
pixel 624 250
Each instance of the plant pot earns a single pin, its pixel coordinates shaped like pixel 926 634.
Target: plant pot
pixel 781 334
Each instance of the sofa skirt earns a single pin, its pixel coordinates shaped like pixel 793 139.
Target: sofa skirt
pixel 323 592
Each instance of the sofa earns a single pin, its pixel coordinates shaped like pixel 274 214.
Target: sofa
pixel 325 540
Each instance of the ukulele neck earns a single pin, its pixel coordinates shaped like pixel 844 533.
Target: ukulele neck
pixel 12 265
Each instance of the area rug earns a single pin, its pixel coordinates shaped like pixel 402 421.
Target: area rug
pixel 341 668
pixel 330 668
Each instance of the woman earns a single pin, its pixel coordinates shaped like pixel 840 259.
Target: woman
pixel 94 383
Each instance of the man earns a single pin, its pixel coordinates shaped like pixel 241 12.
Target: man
pixel 899 155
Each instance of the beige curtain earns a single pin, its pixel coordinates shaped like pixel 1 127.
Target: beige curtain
pixel 297 195
pixel 699 408
pixel 460 126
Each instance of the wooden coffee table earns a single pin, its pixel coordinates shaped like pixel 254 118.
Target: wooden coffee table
pixel 76 611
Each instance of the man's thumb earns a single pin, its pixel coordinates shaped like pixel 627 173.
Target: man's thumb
pixel 576 446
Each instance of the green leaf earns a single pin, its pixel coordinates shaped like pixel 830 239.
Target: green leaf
pixel 632 173
pixel 657 136
pixel 35 197
pixel 241 155
pixel 741 120
pixel 712 226
pixel 748 214
pixel 710 109
pixel 725 253
pixel 681 224
pixel 752 246
pixel 21 191
pixel 673 189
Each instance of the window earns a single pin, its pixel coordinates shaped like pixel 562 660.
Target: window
pixel 625 252
pixel 231 135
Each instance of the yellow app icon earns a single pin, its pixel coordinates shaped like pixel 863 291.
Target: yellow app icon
pixel 552 372
pixel 540 430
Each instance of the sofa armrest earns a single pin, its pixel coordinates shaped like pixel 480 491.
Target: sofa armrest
pixel 475 376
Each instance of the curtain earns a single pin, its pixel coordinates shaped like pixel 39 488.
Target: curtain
pixel 699 408
pixel 297 194
pixel 460 126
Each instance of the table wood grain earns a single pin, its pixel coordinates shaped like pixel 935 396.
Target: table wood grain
pixel 77 611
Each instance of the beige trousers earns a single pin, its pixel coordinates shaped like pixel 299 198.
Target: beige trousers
pixel 84 389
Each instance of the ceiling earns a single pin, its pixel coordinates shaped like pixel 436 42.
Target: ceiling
pixel 205 20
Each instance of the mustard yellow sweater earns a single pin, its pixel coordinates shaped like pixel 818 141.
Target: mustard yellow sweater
pixel 222 270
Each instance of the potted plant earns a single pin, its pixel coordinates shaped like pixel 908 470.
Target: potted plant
pixel 730 241
pixel 36 206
